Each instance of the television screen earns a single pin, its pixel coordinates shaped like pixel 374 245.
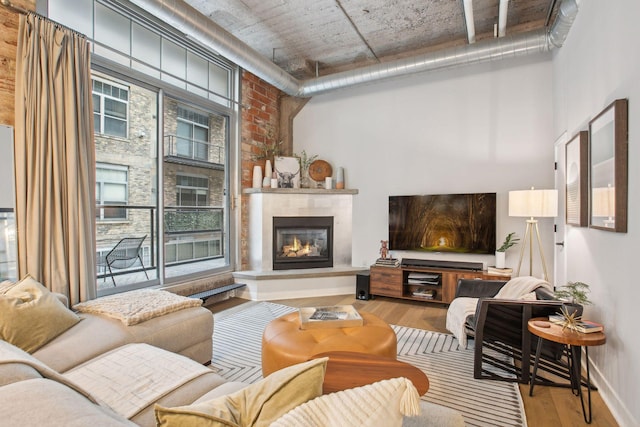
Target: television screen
pixel 462 223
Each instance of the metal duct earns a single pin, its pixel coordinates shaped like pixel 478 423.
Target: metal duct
pixel 185 18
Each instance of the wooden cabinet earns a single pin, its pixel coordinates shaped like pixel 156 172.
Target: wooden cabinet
pixel 411 282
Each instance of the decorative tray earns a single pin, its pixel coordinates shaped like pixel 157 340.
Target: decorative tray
pixel 337 316
pixel 319 170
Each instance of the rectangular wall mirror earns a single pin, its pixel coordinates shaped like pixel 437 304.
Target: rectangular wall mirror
pixel 608 147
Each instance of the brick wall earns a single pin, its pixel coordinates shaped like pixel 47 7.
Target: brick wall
pixel 8 45
pixel 260 124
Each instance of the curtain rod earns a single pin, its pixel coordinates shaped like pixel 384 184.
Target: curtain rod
pixel 9 5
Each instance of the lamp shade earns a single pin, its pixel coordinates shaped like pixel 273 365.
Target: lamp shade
pixel 533 203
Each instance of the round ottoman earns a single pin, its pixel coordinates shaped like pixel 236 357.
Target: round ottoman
pixel 285 344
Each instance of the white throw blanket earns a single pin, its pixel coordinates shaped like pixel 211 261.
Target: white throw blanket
pixel 462 308
pixel 137 306
pixel 132 377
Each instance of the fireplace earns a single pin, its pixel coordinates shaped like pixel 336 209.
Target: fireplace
pixel 302 242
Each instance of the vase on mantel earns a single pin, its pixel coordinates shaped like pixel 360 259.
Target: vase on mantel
pixel 305 179
pixel 500 259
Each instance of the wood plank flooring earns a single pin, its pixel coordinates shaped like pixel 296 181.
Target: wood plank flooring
pixel 550 406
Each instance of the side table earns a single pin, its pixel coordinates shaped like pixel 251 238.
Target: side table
pixel 542 328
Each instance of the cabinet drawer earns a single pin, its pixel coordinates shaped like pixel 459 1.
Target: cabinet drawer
pixel 386 281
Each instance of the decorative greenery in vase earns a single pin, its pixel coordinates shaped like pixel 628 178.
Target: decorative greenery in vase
pixel 509 241
pixel 305 162
pixel 268 151
pixel 575 293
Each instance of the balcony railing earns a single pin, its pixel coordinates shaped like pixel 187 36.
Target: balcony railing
pixel 181 219
pixel 192 235
pixel 186 148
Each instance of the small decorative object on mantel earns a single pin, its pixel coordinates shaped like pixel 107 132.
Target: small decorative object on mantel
pixel 340 178
pixel 319 170
pixel 288 172
pixel 257 176
pixel 509 241
pixel 305 162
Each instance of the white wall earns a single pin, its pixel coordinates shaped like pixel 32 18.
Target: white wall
pixel 600 62
pixel 482 128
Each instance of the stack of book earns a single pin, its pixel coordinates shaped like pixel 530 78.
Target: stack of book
pixel 388 262
pixel 582 326
pixel 500 271
pixel 424 293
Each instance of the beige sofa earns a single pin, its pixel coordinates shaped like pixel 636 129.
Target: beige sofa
pixel 188 332
pixel 100 372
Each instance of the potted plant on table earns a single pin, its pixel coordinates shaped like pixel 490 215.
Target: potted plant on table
pixel 575 296
pixel 509 241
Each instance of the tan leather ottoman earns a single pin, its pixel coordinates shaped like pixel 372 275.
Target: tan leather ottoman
pixel 285 344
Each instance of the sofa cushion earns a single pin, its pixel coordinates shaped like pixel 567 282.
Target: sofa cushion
pixel 256 405
pixel 31 316
pixel 43 402
pixel 384 403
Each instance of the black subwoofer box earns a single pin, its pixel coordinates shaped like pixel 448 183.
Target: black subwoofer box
pixel 362 286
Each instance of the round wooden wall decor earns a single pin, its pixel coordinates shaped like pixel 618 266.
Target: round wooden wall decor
pixel 319 170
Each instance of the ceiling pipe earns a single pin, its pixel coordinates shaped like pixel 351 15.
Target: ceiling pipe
pixel 198 27
pixel 502 17
pixel 467 6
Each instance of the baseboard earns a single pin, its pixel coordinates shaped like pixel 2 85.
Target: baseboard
pixel 616 406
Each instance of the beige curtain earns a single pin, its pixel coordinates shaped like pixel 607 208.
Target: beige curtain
pixel 54 159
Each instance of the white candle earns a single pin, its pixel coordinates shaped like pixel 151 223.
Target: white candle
pixel 328 183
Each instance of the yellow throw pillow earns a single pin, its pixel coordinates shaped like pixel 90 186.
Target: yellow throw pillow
pixel 383 403
pixel 257 405
pixel 31 316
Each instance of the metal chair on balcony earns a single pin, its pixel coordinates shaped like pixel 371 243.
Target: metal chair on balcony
pixel 124 255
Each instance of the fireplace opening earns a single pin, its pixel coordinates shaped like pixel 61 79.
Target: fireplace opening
pixel 302 242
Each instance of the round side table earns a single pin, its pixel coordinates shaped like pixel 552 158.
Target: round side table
pixel 542 328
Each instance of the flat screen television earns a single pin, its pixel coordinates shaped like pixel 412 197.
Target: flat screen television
pixel 457 223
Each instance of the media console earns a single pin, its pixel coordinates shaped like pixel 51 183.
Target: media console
pixel 425 280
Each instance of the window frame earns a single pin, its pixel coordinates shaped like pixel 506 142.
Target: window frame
pixel 102 113
pixel 100 183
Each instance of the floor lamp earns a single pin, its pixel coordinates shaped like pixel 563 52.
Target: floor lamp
pixel 533 204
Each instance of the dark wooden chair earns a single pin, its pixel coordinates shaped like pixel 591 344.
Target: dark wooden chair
pixel 504 347
pixel 124 255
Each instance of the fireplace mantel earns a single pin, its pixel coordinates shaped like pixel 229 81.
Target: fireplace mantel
pixel 318 191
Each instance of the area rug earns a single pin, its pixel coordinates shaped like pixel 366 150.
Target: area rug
pixel 237 340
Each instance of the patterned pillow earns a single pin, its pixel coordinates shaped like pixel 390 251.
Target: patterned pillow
pixel 256 405
pixel 379 404
pixel 31 316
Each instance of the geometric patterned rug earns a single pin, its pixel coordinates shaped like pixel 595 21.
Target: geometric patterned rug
pixel 237 339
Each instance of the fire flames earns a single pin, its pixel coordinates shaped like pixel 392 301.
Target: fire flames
pixel 297 249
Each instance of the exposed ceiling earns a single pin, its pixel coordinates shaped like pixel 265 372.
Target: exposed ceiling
pixel 310 38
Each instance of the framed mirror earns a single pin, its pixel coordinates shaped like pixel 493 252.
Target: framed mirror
pixel 608 163
pixel 576 185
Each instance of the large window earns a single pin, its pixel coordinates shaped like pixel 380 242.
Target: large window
pixel 111 189
pixel 110 108
pixel 166 123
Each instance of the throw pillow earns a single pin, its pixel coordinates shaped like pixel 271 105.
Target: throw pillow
pixel 31 316
pixel 383 403
pixel 257 405
pixel 5 285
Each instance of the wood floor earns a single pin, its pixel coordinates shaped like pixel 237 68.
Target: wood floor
pixel 550 406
